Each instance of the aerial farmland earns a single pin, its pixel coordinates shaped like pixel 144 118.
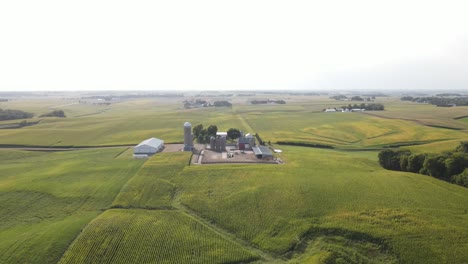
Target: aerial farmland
pixel 71 190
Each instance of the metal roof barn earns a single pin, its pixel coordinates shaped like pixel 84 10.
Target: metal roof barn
pixel 262 152
pixel 149 146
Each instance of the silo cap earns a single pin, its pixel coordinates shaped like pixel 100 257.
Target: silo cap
pixel 187 124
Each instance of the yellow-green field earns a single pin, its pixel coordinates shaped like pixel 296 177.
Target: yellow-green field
pixel 47 198
pixel 129 122
pixel 320 206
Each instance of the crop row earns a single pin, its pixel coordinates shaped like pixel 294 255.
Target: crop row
pixel 142 236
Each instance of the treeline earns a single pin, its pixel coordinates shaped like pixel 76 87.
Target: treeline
pixel 203 103
pixel 450 166
pixel 353 98
pixel 440 101
pixel 368 107
pixel 203 135
pixel 222 103
pixel 268 101
pixel 9 114
pixel 55 113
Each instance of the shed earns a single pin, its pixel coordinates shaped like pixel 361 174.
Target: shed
pixel 148 147
pixel 262 152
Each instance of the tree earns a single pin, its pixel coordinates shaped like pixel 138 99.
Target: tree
pixel 212 130
pixel 461 179
pixel 434 166
pixel 415 162
pixel 55 113
pixel 404 161
pixel 196 130
pixel 203 136
pixel 463 147
pixel 391 160
pixel 233 133
pixel 357 98
pixel 455 164
pixel 9 114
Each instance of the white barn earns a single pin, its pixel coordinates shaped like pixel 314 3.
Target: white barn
pixel 148 147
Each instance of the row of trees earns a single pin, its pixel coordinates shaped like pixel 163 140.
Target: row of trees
pixel 449 166
pixel 437 100
pixel 204 103
pixel 268 101
pixel 55 113
pixel 203 135
pixel 9 114
pixel 353 98
pixel 368 107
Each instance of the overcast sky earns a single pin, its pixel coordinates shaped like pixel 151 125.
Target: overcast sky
pixel 217 45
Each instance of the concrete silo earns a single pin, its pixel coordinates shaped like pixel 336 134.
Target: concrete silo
pixel 188 137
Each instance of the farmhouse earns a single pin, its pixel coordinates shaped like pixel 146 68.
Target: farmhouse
pixel 148 147
pixel 262 152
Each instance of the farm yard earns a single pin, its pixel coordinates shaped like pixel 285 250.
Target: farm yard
pixel 323 205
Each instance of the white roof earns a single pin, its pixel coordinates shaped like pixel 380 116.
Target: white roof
pixel 152 142
pixel 221 133
pixel 187 124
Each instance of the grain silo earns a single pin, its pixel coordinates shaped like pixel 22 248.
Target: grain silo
pixel 188 137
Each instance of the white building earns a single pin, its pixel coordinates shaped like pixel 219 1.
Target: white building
pixel 221 134
pixel 148 147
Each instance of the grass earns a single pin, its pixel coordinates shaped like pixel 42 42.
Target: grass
pixel 47 198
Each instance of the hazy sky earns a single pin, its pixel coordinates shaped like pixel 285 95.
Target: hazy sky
pixel 88 45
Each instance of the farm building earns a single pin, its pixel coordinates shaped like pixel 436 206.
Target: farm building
pixel 262 152
pixel 218 144
pixel 246 142
pixel 148 147
pixel 221 134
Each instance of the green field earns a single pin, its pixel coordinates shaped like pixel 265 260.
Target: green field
pixel 142 236
pixel 47 198
pixel 321 206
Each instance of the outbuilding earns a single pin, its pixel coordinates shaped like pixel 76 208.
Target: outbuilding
pixel 148 147
pixel 246 142
pixel 262 152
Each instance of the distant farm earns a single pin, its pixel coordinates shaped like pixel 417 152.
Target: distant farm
pixel 121 178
